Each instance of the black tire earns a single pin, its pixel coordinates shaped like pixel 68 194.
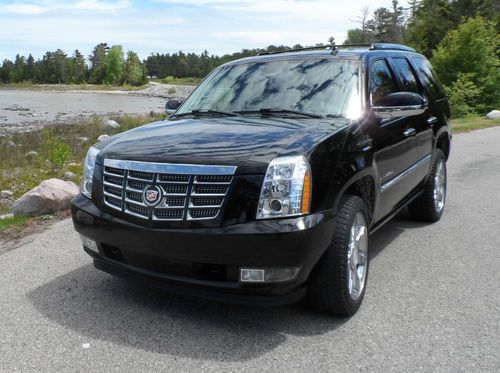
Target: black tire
pixel 328 288
pixel 425 208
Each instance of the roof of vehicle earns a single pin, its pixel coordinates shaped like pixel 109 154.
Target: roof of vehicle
pixel 340 51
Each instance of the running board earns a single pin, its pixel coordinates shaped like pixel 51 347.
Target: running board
pixel 378 225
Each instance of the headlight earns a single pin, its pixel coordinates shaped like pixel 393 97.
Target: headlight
pixel 88 171
pixel 286 190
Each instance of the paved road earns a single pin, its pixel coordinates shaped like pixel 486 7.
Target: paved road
pixel 432 303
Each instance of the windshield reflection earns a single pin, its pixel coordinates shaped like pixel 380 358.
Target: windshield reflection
pixel 319 86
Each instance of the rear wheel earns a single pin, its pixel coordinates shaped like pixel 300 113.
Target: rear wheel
pixel 429 205
pixel 338 283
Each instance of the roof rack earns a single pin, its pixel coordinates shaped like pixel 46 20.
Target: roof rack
pixel 335 48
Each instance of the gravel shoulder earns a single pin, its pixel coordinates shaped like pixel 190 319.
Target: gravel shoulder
pixel 432 302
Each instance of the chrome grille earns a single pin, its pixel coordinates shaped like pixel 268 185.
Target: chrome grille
pixel 188 192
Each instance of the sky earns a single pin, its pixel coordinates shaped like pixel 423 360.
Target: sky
pixel 166 26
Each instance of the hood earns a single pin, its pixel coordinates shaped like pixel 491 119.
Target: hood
pixel 248 143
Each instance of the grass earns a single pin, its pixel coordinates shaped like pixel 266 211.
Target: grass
pixel 178 81
pixel 69 87
pixel 18 221
pixel 468 124
pixel 60 148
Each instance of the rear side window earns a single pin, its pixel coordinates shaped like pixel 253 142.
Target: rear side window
pixel 406 75
pixel 429 77
pixel 382 81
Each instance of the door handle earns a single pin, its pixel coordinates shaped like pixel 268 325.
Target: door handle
pixel 410 132
pixel 365 144
pixel 432 120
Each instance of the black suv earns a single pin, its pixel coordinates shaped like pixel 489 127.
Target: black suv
pixel 264 185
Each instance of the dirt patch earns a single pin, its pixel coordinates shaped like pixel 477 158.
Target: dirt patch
pixel 17 235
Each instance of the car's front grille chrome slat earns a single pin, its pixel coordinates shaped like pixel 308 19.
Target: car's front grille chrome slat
pixel 186 192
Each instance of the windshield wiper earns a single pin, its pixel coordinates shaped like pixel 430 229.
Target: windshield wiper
pixel 271 111
pixel 199 112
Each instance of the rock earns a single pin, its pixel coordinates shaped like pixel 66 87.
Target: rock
pixel 6 194
pixel 102 137
pixel 110 124
pixel 17 108
pixel 82 139
pixel 50 196
pixel 494 114
pixel 6 216
pixel 11 144
pixel 6 203
pixel 73 164
pixel 31 154
pixel 69 176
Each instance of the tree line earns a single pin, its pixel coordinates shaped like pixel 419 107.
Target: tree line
pixel 107 65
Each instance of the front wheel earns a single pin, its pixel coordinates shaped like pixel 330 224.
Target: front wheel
pixel 337 284
pixel 429 206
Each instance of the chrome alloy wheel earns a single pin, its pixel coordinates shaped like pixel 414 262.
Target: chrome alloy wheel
pixel 357 256
pixel 440 186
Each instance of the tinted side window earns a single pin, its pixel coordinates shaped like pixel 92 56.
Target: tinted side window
pixel 406 75
pixel 382 82
pixel 428 77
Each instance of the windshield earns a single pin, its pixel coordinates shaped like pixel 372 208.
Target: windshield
pixel 316 86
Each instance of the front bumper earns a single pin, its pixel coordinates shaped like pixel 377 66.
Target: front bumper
pixel 205 261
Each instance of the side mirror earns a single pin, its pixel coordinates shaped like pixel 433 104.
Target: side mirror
pixel 400 104
pixel 172 105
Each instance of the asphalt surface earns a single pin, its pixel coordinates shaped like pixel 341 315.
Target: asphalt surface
pixel 432 302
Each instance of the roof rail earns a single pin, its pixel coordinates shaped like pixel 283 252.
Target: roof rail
pixel 323 47
pixel 391 46
pixel 334 48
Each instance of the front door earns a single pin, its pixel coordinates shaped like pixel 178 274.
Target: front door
pixel 422 124
pixel 393 143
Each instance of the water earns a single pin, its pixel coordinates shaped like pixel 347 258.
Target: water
pixel 60 107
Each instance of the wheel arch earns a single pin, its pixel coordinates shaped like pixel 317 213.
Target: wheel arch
pixel 363 185
pixel 443 142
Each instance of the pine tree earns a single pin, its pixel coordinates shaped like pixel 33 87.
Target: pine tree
pixel 29 72
pixel 97 67
pixel 78 67
pixel 134 70
pixel 17 74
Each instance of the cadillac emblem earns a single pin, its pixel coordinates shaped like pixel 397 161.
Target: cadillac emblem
pixel 152 195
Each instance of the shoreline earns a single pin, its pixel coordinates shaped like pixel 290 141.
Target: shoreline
pixel 25 110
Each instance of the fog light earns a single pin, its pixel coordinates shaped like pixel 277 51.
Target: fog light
pixel 89 244
pixel 268 274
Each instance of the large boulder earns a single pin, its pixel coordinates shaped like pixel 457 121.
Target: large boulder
pixel 50 196
pixel 494 114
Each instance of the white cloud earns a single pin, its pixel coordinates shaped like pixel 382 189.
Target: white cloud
pixel 50 6
pixel 25 9
pixel 100 5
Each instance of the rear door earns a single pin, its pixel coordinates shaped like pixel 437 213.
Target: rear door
pixel 438 112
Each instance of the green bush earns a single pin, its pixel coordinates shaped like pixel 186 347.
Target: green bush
pixel 54 149
pixel 466 60
pixel 465 96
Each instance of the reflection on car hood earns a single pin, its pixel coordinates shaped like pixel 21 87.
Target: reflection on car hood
pixel 249 143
